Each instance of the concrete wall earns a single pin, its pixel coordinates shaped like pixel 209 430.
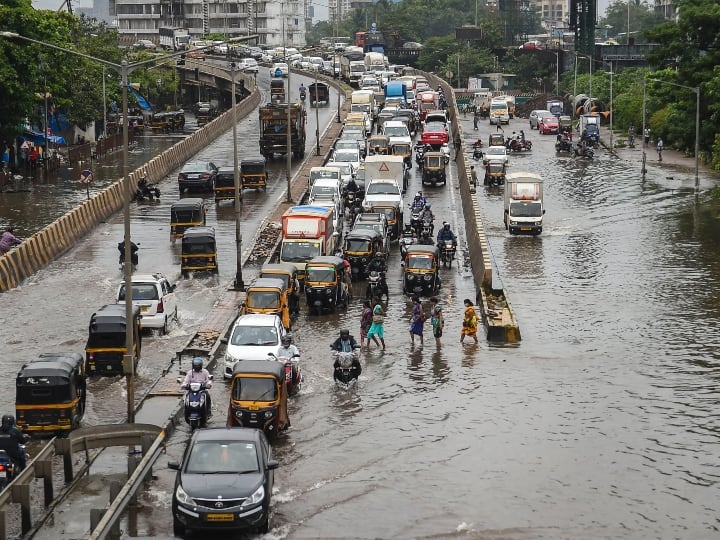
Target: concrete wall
pixel 55 239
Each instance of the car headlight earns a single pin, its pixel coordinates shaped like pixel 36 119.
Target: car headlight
pixel 428 277
pixel 183 497
pixel 328 291
pixel 268 414
pixel 513 223
pixel 410 277
pixel 238 414
pixel 255 498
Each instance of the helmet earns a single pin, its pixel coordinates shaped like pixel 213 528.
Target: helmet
pixel 446 225
pixel 8 421
pixel 286 339
pixel 344 333
pixel 197 363
pixel 427 205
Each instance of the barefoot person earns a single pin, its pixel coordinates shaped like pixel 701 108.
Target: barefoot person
pixel 417 320
pixel 365 322
pixel 437 320
pixel 377 330
pixel 469 325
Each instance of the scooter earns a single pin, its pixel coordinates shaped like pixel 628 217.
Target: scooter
pixel 196 400
pixel 7 469
pixel 407 239
pixel 477 152
pixel 302 96
pixel 419 152
pixel 293 375
pixel 447 252
pixel 133 256
pixel 146 191
pixel 445 150
pixel 348 368
pixel 416 222
pixel 376 286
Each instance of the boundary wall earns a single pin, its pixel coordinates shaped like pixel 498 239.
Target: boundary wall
pixel 52 241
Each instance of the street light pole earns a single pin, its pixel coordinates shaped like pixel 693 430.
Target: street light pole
pixel 317 117
pixel 239 285
pixel 104 107
pixel 288 163
pixel 644 144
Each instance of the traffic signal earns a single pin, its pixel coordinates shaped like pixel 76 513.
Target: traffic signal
pixel 181 61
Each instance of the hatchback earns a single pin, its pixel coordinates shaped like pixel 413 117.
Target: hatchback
pixel 224 482
pixel 252 337
pixel 155 296
pixel 548 124
pixel 197 174
pixel 536 115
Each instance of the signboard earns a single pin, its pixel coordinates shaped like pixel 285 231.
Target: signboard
pixel 468 33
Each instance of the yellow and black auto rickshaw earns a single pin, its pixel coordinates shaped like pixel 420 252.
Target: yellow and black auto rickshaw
pixel 359 247
pixel 379 145
pixel 268 295
pixel 159 122
pixel 105 346
pixel 404 150
pixel 258 397
pixel 277 91
pixel 288 273
pixel 50 394
pixel 420 270
pixel 393 215
pixel 433 168
pixel 494 173
pixel 199 251
pixel 225 184
pixel 325 285
pixel 496 139
pixel 186 213
pixel 203 116
pixel 253 174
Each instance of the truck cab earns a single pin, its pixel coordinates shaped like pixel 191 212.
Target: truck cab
pixel 524 209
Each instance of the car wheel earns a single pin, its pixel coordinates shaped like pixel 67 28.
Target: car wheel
pixel 178 528
pixel 265 525
pixel 164 329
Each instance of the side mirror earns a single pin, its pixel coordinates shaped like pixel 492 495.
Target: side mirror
pixel 272 465
pixel 174 465
pixel 224 340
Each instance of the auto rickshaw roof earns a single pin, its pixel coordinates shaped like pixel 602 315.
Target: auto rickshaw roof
pixel 433 154
pixel 199 233
pixel 260 367
pixel 191 203
pixel 279 268
pixel 111 318
pixel 363 234
pixel 379 138
pixel 326 259
pixel 253 162
pixel 52 365
pixel 267 283
pixel 421 249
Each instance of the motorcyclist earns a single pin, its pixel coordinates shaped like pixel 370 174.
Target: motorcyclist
pixel 302 90
pixel 377 264
pixel 427 216
pixel 133 252
pixel 418 203
pixel 352 185
pixel 346 343
pixel 445 234
pixel 199 374
pixel 287 350
pixel 11 439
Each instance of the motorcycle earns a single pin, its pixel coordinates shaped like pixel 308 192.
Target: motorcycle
pixel 408 239
pixel 416 219
pixel 196 402
pixel 447 252
pixel 293 375
pixel 563 145
pixel 477 153
pixel 419 152
pixel 445 149
pixel 586 152
pixel 348 369
pixel 428 227
pixel 376 286
pixel 7 468
pixel 146 191
pixel 352 205
pixel 302 95
pixel 133 256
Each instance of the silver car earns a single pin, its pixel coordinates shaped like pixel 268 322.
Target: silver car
pixel 536 115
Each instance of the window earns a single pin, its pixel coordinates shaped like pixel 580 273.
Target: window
pixel 254 389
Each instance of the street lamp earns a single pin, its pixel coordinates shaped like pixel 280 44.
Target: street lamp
pixel 124 69
pixel 695 89
pixel 239 285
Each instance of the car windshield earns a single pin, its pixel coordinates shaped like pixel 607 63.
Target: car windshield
pixel 499 150
pixel 254 389
pixel 526 209
pixel 347 155
pixel 343 166
pixel 396 131
pixel 549 120
pixel 420 262
pixel 327 191
pixel 369 227
pixel 222 457
pixel 314 175
pixel 540 114
pixel 382 188
pixel 435 126
pixel 140 291
pixel 299 251
pixel 357 244
pixel 321 274
pixel 194 167
pixel 263 299
pixel 254 335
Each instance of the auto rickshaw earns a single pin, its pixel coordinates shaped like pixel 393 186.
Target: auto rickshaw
pixel 433 168
pixel 277 91
pixel 225 184
pixel 203 116
pixel 402 149
pixel 494 173
pixel 496 139
pixel 159 122
pixel 199 251
pixel 359 247
pixel 420 270
pixel 288 273
pixel 393 216
pixel 50 393
pixel 105 346
pixel 318 93
pixel 253 174
pixel 176 120
pixel 258 397
pixel 325 286
pixel 186 213
pixel 379 145
pixel 565 124
pixel 268 295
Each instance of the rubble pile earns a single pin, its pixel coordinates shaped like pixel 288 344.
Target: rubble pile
pixel 265 242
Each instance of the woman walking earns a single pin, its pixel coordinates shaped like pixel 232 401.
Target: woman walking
pixel 377 329
pixel 365 322
pixel 469 325
pixel 417 320
pixel 437 320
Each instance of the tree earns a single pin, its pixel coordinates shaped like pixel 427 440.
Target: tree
pixel 642 18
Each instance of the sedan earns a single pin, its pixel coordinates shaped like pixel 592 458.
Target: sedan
pixel 434 133
pixel 548 124
pixel 197 174
pixel 224 482
pixel 536 115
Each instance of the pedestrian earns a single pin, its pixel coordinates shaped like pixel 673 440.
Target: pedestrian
pixel 9 240
pixel 473 176
pixel 476 118
pixel 646 135
pixel 437 320
pixel 365 322
pixel 469 325
pixel 660 147
pixel 377 330
pixel 417 320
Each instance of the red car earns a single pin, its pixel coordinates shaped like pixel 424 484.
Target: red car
pixel 548 124
pixel 434 133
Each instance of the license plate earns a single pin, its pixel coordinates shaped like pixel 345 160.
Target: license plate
pixel 220 517
pixel 526 228
pixel 143 309
pixel 3 474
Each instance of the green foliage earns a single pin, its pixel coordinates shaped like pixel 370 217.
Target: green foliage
pixel 642 17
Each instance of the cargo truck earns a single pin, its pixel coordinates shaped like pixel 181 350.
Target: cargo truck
pixel 273 129
pixel 524 208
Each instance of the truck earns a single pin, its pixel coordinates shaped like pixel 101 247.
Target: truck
pixel 394 89
pixel 363 101
pixel 352 65
pixel 556 107
pixel 380 166
pixel 374 61
pixel 307 231
pixel 273 129
pixel 499 112
pixel 174 39
pixel 523 207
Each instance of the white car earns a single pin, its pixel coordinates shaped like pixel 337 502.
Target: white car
pixel 536 115
pixel 397 130
pixel 495 153
pixel 155 296
pixel 346 170
pixel 279 67
pixel 381 190
pixel 252 337
pixel 347 155
pixel 248 65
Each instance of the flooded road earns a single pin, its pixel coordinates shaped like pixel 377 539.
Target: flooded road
pixel 602 423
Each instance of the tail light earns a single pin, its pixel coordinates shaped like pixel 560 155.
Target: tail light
pixel 206 176
pixel 2 467
pixel 160 307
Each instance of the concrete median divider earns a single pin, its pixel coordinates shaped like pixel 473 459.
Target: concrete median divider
pixel 49 243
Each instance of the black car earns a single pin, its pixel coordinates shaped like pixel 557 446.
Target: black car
pixel 224 482
pixel 197 175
